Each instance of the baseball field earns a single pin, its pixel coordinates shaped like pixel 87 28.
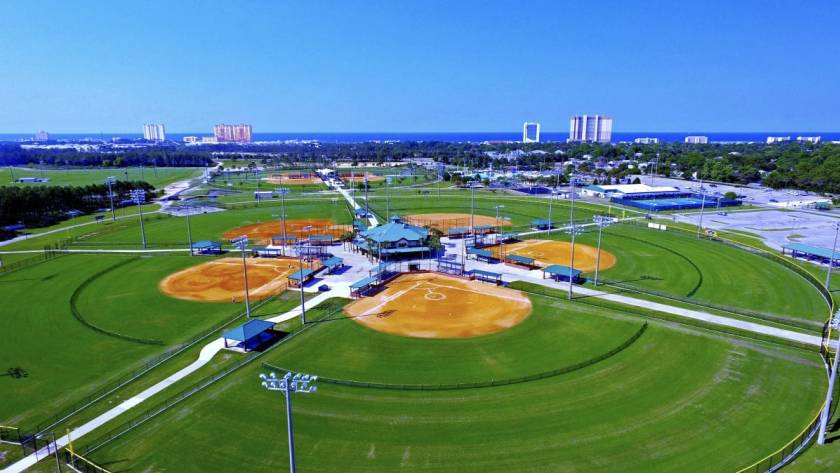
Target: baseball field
pixel 600 383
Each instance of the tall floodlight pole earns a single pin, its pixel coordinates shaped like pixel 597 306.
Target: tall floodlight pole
pixel 367 208
pixel 831 261
pixel 835 324
pixel 110 181
pixel 702 208
pixel 300 269
pixel 388 198
pixel 189 230
pixel 550 200
pixel 242 244
pixel 288 384
pixel 283 193
pixel 601 221
pixel 572 222
pixel 139 196
pixel 498 226
pixel 472 210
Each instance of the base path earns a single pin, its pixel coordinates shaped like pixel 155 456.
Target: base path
pixel 207 353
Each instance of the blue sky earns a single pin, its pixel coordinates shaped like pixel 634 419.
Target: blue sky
pixel 77 66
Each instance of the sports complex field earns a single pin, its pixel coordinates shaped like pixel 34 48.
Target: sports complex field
pixel 433 372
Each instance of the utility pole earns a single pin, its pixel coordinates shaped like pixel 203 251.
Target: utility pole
pixel 574 231
pixel 824 416
pixel 300 263
pixel 110 180
pixel 139 196
pixel 831 261
pixel 283 192
pixel 189 230
pixel 702 208
pixel 242 244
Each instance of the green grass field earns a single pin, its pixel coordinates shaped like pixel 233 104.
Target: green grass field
pixel 66 360
pixel 675 400
pixel 158 177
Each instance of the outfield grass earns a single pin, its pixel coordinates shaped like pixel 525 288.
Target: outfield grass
pixel 676 400
pixel 66 360
pixel 158 177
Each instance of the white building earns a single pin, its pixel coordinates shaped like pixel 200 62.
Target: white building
pixel 696 140
pixel 621 190
pixel 777 139
pixel 191 139
pixel 41 136
pixel 531 132
pixel 593 128
pixel 809 139
pixel 646 141
pixel 154 132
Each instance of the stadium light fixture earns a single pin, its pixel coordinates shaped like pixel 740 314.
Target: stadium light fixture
pixel 139 197
pixel 242 244
pixel 288 384
pixel 825 415
pixel 831 261
pixel 110 180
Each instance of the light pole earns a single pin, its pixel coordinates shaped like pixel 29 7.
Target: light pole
pixel 831 261
pixel 242 244
pixel 300 269
pixel 110 180
pixel 498 226
pixel 702 208
pixel 472 211
pixel 573 228
pixel 288 384
pixel 835 324
pixel 139 196
pixel 601 221
pixel 189 228
pixel 283 192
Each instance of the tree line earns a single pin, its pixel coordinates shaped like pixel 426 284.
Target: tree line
pixel 45 205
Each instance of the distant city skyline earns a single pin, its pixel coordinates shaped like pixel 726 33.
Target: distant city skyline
pixel 419 66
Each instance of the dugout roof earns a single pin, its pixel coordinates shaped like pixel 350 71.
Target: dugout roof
pixel 248 330
pixel 809 250
pixel 301 274
pixel 557 269
pixel 521 259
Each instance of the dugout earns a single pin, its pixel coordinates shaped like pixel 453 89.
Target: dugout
pixel 206 247
pixel 450 266
pixel 321 240
pixel 280 240
pixel 482 255
pixel 265 252
pixel 486 276
pixel 562 273
pixel 520 260
pixel 361 287
pixel 333 263
pixel 301 276
pixel 541 224
pixel 484 229
pixel 458 232
pixel 252 335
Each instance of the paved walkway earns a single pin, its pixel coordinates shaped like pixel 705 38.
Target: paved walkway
pixel 338 289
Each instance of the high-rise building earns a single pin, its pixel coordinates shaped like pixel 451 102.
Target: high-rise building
pixel 531 132
pixel 41 136
pixel 594 128
pixel 809 139
pixel 646 141
pixel 777 139
pixel 154 132
pixel 240 133
pixel 696 140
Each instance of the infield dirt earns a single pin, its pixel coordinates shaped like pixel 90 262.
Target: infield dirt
pixel 222 280
pixel 429 305
pixel 548 252
pixel 445 221
pixel 262 232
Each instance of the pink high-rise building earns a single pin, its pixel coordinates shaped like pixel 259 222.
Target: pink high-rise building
pixel 240 133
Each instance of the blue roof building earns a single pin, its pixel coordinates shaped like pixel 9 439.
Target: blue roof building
pixel 394 238
pixel 250 335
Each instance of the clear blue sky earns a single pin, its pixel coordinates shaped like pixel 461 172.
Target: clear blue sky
pixel 290 66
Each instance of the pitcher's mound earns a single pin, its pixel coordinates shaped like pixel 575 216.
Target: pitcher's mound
pixel 222 280
pixel 436 306
pixel 548 252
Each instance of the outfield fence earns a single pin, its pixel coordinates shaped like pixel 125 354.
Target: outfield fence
pixel 200 385
pixel 156 361
pixel 47 254
pixel 480 384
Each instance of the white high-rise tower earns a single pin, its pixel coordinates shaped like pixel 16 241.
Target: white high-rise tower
pixel 154 132
pixel 531 132
pixel 593 128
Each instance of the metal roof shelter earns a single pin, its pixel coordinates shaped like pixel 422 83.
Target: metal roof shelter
pixel 205 247
pixel 249 335
pixel 358 288
pixel 300 276
pixel 541 223
pixel 520 259
pixel 395 231
pixel 562 273
pixel 809 251
pixel 479 252
pixel 333 262
pixel 458 231
pixel 487 276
